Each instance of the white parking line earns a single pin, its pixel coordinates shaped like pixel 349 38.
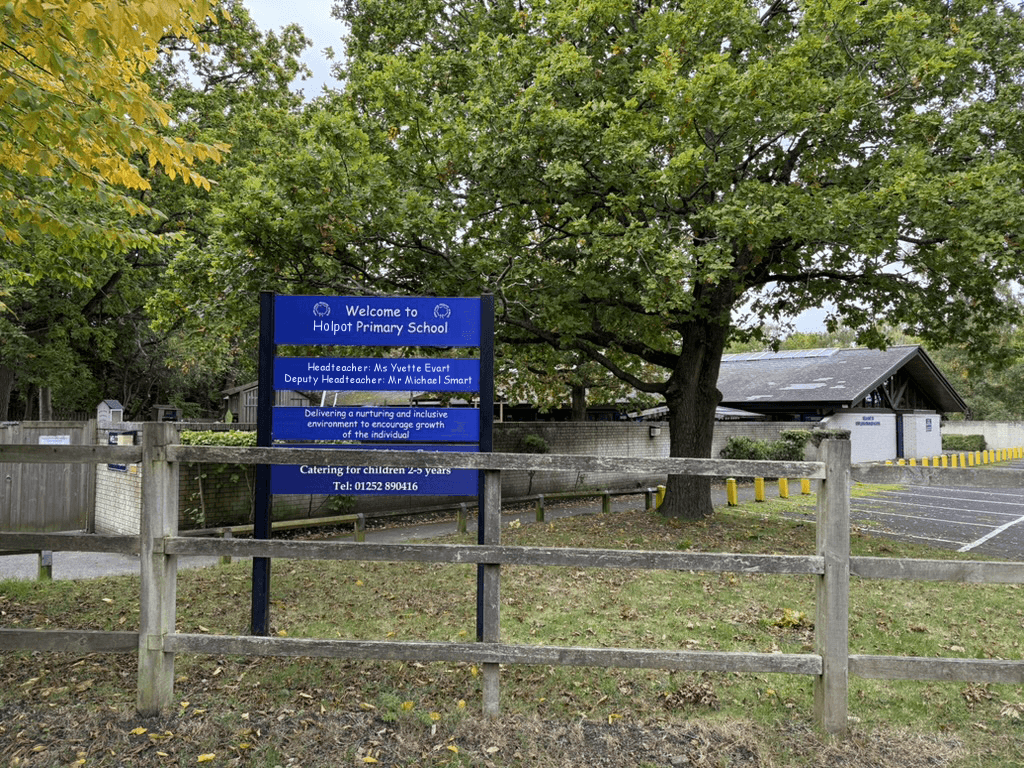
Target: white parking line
pixel 991 534
pixel 883 513
pixel 948 509
pixel 987 500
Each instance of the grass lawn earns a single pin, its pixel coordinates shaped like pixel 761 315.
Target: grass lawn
pixel 62 709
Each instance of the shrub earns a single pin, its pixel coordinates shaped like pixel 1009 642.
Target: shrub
pixel 789 447
pixel 210 437
pixel 963 443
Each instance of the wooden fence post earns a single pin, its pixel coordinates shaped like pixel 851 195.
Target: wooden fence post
pixel 158 572
pixel 45 565
pixel 831 624
pixel 490 519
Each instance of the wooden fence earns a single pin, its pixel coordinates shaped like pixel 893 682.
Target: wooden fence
pixel 46 497
pixel 830 664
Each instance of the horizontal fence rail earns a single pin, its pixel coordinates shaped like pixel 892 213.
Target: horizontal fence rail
pixel 500 555
pixel 830 664
pixel 498 653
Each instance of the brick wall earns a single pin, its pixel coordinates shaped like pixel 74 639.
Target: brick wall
pixel 118 491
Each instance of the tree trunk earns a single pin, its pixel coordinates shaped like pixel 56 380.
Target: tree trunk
pixel 692 397
pixel 579 402
pixel 7 378
pixel 45 404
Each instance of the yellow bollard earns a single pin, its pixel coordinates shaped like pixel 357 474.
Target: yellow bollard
pixel 935 461
pixel 945 460
pixel 970 459
pixel 805 485
pixel 924 461
pixel 758 489
pixel 901 462
pixel 732 494
pixel 913 462
pixel 783 487
pixel 659 496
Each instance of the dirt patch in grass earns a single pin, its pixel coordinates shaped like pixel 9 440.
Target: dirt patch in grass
pixel 63 709
pixel 37 735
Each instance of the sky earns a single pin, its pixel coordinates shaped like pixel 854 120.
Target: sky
pixel 314 16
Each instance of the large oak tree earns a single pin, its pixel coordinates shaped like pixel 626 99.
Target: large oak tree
pixel 630 177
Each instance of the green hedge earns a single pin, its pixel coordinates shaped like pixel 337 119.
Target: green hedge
pixel 789 447
pixel 210 437
pixel 963 443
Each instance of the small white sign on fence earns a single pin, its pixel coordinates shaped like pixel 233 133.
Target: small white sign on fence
pixel 55 439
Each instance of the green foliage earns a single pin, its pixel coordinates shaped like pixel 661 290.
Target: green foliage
pixel 965 443
pixel 789 447
pixel 990 385
pixel 80 312
pixel 532 444
pixel 216 437
pixel 81 128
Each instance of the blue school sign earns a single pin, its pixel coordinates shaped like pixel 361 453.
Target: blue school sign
pixel 360 322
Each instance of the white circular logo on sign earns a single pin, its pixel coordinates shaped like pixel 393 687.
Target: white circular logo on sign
pixel 442 311
pixel 321 309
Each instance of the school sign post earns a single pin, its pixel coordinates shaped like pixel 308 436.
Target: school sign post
pixel 361 322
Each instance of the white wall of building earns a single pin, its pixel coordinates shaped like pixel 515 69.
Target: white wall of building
pixel 872 435
pixel 921 435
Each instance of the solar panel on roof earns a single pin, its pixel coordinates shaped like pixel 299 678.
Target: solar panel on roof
pixel 785 354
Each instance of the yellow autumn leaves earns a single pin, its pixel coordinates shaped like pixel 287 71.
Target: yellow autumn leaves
pixel 76 111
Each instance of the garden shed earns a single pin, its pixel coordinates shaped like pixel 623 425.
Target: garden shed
pixel 891 400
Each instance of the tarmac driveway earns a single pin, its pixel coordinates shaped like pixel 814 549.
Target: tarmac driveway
pixel 982 521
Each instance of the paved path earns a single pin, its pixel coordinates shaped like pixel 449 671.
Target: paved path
pixel 86 565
